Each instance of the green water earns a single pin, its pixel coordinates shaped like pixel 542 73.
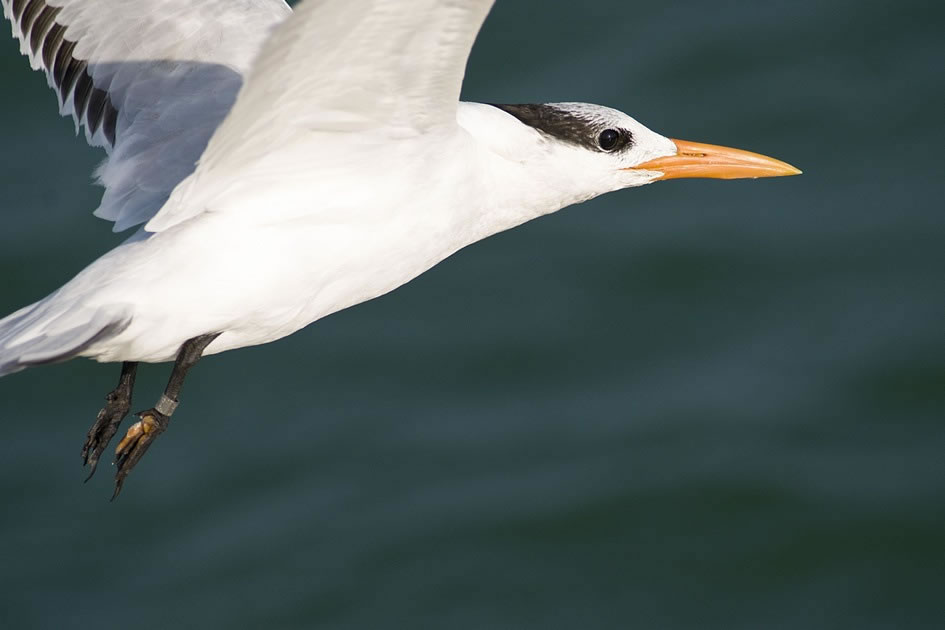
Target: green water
pixel 693 405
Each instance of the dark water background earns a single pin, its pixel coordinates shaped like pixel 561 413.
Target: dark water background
pixel 693 405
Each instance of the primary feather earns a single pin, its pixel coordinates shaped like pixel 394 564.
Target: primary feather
pixel 147 80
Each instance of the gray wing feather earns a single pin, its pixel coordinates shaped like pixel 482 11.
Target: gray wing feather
pixel 147 80
pixel 31 337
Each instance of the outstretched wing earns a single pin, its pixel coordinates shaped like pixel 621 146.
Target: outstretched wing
pixel 339 66
pixel 149 80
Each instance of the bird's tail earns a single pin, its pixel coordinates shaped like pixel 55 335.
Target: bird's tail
pixel 46 332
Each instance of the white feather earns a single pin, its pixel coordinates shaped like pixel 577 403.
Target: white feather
pixel 394 68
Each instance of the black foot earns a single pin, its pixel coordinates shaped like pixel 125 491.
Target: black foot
pixel 135 444
pixel 117 405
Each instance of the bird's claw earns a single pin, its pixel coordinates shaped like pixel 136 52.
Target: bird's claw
pixel 133 446
pixel 103 430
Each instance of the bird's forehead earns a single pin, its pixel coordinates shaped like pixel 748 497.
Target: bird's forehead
pixel 574 123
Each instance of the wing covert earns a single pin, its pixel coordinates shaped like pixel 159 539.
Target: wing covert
pixel 350 65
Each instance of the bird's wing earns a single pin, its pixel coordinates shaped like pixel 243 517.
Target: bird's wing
pixel 149 80
pixel 337 67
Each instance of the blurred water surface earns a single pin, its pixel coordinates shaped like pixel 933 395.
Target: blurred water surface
pixel 693 405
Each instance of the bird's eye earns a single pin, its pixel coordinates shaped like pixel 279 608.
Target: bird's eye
pixel 608 139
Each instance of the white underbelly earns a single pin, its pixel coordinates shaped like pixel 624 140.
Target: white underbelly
pixel 258 283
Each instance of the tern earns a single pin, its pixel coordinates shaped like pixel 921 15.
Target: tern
pixel 283 165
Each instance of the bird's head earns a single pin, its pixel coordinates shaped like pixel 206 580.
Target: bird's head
pixel 604 149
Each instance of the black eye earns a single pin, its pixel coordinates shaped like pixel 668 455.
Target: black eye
pixel 608 139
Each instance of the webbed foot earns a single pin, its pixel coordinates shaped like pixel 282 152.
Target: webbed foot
pixel 117 405
pixel 136 442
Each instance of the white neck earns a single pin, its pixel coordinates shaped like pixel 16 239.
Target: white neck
pixel 525 176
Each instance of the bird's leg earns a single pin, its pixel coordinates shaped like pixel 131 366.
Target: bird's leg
pixel 154 421
pixel 117 405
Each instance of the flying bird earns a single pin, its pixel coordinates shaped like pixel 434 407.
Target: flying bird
pixel 283 165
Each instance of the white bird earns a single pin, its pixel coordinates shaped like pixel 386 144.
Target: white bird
pixel 287 165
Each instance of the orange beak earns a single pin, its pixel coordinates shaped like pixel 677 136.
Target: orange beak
pixel 694 159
